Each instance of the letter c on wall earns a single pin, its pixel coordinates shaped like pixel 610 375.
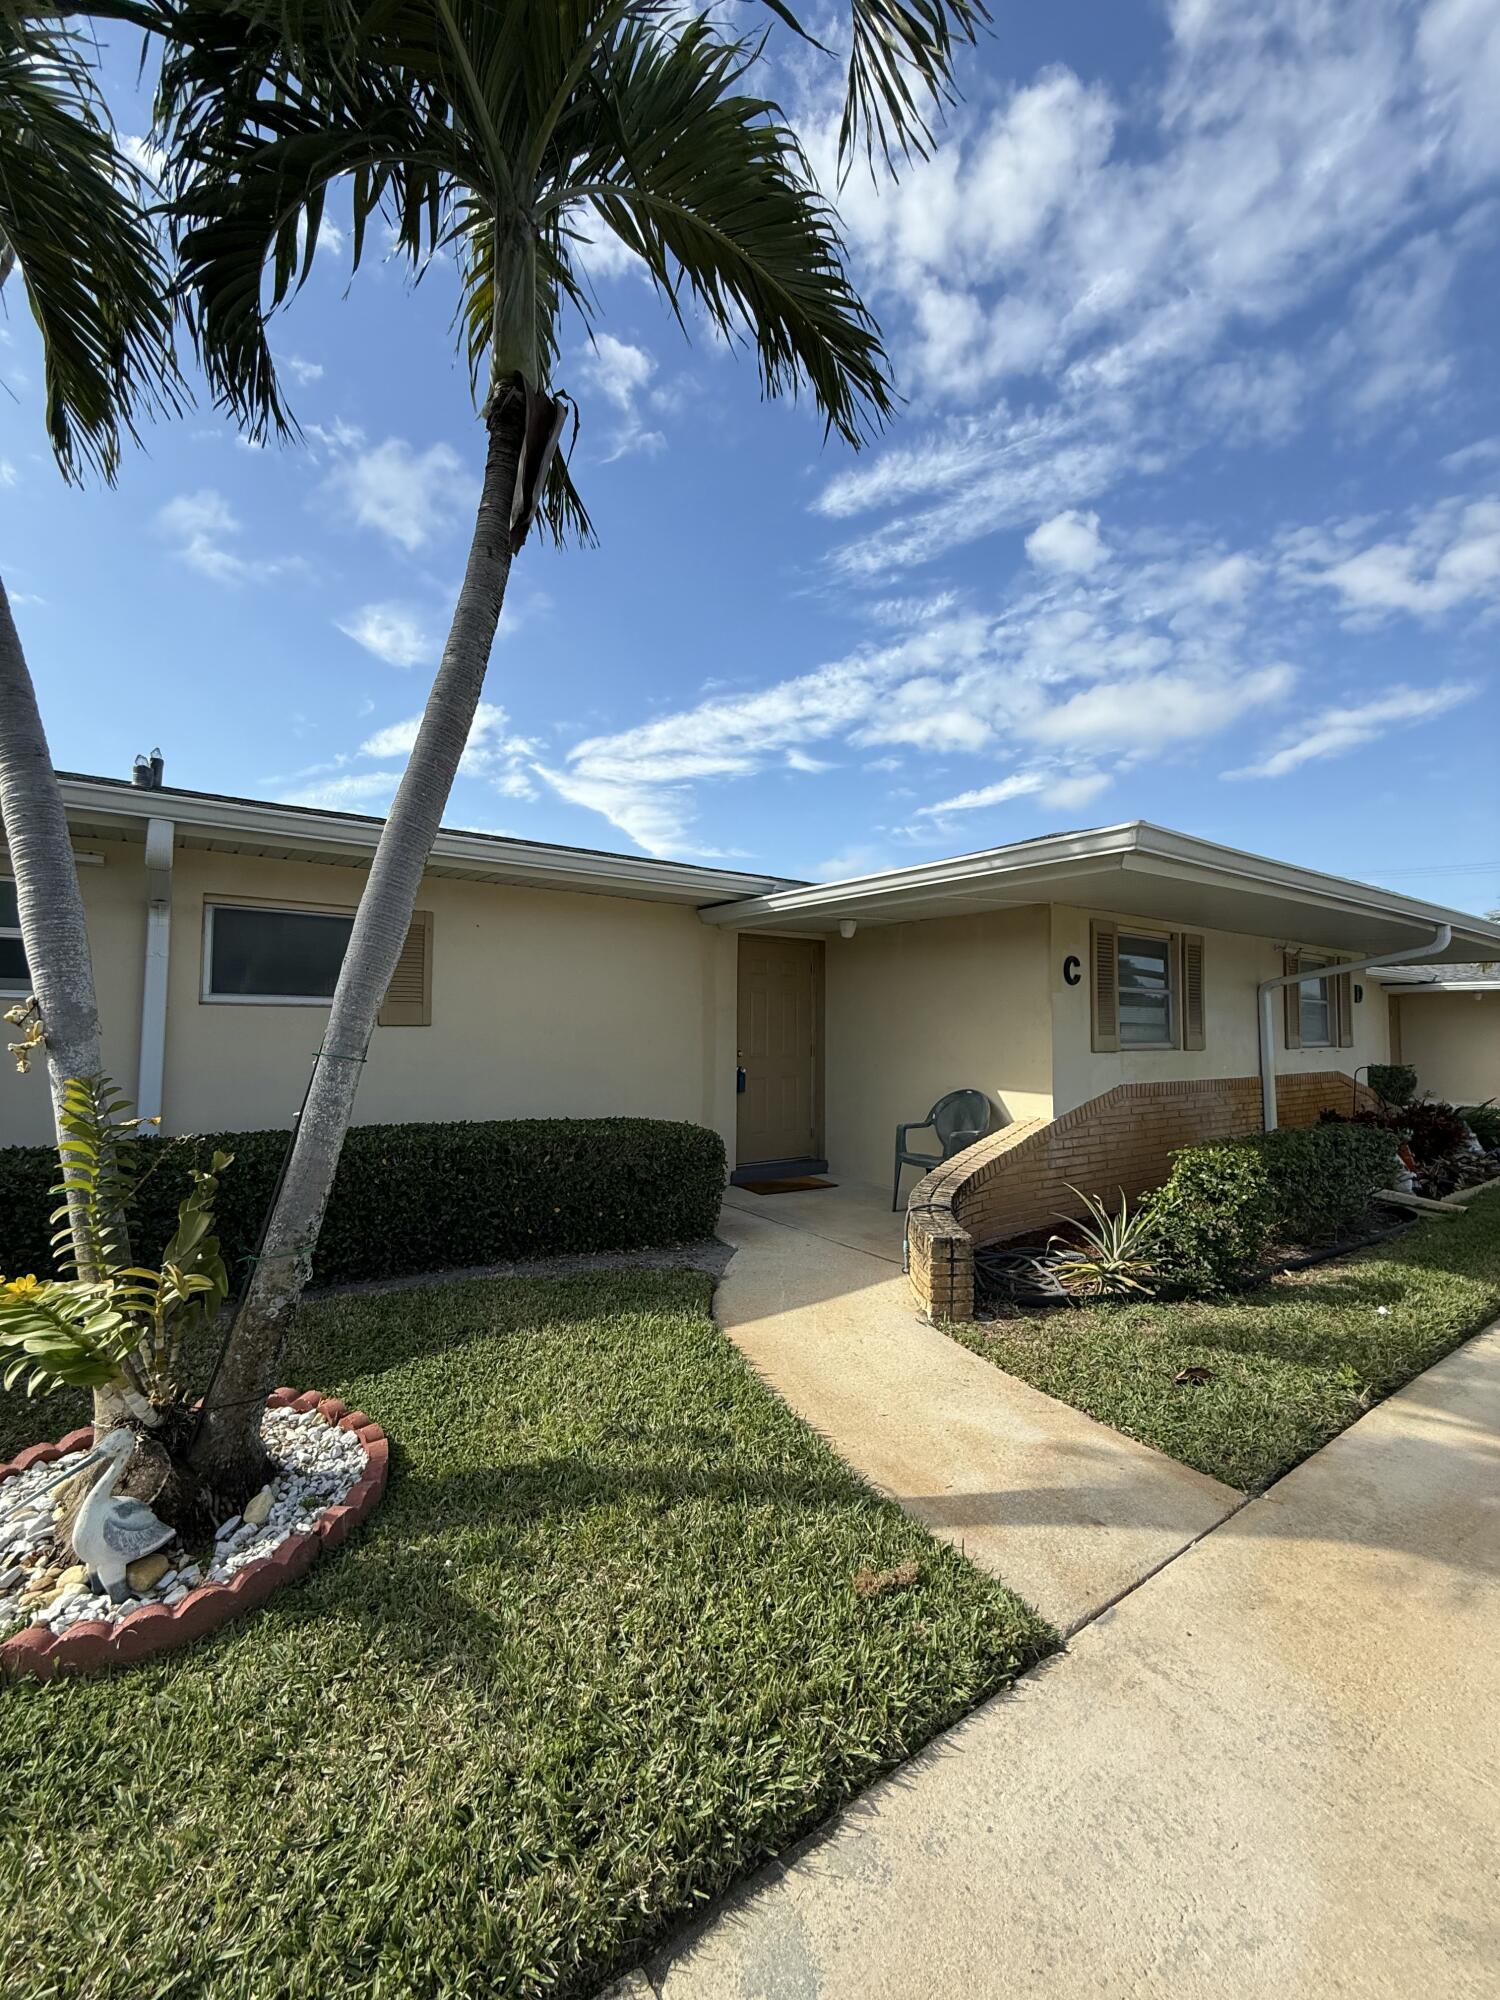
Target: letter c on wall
pixel 1072 969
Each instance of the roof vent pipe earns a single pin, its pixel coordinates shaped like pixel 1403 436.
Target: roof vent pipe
pixel 146 772
pixel 1440 940
pixel 156 768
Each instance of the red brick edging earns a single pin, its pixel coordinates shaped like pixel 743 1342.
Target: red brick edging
pixel 96 1645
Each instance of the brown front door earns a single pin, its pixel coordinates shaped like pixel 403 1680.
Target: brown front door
pixel 778 1037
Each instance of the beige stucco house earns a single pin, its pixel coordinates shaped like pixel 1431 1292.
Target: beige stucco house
pixel 1445 1022
pixel 1083 981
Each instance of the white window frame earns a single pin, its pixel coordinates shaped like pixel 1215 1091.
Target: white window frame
pixel 1323 972
pixel 14 931
pixel 1174 989
pixel 206 993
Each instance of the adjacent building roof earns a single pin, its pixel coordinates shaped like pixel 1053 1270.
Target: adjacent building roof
pixel 1137 870
pixel 1478 978
pixel 114 808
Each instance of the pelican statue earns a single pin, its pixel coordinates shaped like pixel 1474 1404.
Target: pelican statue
pixel 108 1534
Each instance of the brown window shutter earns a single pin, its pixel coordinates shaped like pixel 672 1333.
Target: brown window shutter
pixel 1291 962
pixel 1343 988
pixel 1190 952
pixel 1104 980
pixel 408 998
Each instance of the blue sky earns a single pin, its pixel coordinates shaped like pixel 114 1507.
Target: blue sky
pixel 1192 512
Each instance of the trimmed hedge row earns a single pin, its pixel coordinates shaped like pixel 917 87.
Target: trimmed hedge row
pixel 1224 1204
pixel 414 1198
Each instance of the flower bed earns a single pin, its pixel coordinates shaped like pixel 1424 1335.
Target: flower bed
pixel 332 1464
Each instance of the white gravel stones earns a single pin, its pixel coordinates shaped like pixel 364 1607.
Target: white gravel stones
pixel 315 1465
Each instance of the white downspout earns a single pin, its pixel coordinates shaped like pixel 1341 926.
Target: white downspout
pixel 151 1069
pixel 1440 940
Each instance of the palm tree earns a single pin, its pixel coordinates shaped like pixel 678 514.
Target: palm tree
pixel 491 132
pixel 74 230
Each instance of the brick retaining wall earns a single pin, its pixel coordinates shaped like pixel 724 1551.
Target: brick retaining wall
pixel 1019 1179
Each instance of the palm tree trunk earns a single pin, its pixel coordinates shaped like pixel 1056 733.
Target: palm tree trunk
pixel 227 1451
pixel 53 929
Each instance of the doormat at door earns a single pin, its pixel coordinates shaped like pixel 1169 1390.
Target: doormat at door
pixel 803 1186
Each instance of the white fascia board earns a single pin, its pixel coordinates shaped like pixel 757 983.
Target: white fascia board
pixel 351 838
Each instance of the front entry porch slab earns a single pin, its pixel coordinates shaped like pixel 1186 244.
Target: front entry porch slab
pixel 1068 1512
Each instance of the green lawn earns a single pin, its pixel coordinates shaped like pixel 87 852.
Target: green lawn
pixel 599 1652
pixel 1292 1364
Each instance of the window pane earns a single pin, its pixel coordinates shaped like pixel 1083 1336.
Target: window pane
pixel 1316 1014
pixel 1145 993
pixel 10 915
pixel 13 973
pixel 293 954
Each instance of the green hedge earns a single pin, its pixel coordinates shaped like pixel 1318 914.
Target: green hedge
pixel 1224 1204
pixel 1322 1177
pixel 416 1198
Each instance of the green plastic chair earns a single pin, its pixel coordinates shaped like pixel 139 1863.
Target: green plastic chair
pixel 956 1121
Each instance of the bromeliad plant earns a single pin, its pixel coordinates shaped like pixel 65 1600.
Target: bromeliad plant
pixel 123 1333
pixel 1105 1257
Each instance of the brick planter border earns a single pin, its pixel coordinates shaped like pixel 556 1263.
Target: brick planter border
pixel 96 1645
pixel 1021 1176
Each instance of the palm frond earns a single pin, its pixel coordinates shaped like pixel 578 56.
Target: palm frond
pixel 73 215
pixel 901 68
pixel 713 193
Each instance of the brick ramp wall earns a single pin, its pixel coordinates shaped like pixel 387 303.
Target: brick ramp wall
pixel 1020 1178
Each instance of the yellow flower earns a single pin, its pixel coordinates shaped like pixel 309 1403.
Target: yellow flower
pixel 21 1288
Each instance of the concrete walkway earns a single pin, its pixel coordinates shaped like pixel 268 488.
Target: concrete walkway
pixel 1065 1510
pixel 1271 1773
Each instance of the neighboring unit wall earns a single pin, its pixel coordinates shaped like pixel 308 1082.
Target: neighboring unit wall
pixel 114 904
pixel 915 1010
pixel 1022 1180
pixel 1234 966
pixel 545 1003
pixel 1452 1041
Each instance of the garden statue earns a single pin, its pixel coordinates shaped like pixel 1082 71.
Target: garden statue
pixel 108 1534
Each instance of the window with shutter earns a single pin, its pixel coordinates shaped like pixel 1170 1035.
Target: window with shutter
pixel 1292 998
pixel 1343 988
pixel 1194 1022
pixel 408 998
pixel 1104 982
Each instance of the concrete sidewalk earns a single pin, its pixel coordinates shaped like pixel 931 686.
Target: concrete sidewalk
pixel 1068 1512
pixel 1271 1773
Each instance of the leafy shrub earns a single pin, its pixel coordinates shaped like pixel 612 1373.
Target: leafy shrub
pixel 1432 1130
pixel 1483 1120
pixel 1394 1084
pixel 415 1198
pixel 1322 1177
pixel 1224 1204
pixel 1212 1218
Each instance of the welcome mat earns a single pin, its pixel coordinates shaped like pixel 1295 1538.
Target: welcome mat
pixel 803 1186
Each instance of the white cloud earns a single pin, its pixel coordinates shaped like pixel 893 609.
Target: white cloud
pixel 1019 785
pixel 1131 258
pixel 301 370
pixel 1155 710
pixel 202 525
pixel 1448 558
pixel 1069 541
pixel 1337 730
pixel 392 632
pixel 399 739
pixel 621 373
pixel 408 496
pixel 618 370
pixel 8 473
pixel 358 791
